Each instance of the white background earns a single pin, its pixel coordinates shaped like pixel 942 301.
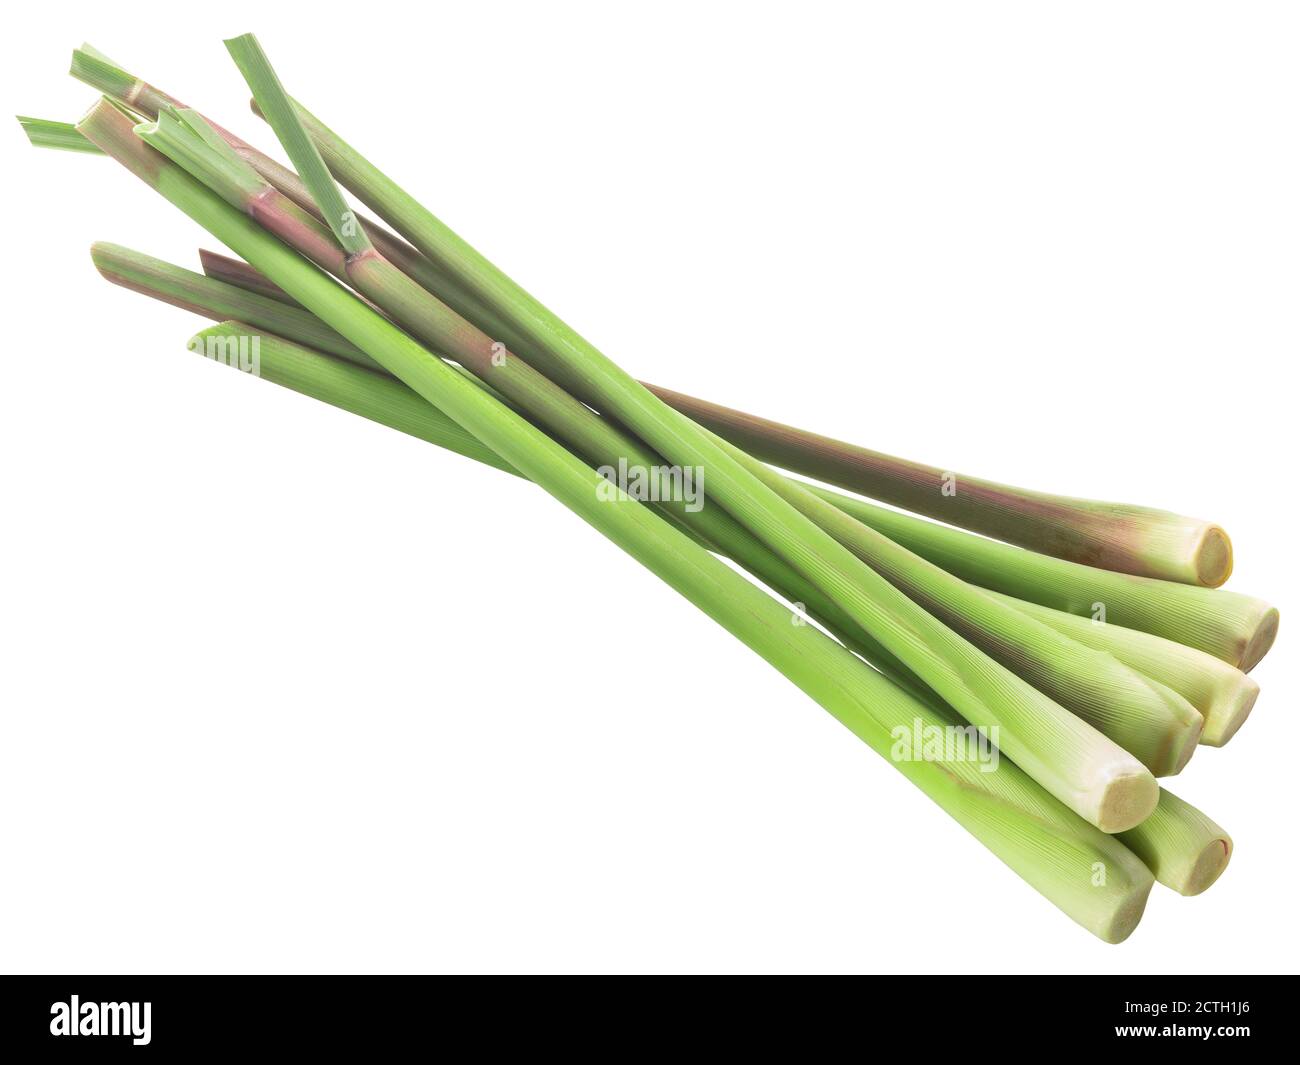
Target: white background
pixel 284 690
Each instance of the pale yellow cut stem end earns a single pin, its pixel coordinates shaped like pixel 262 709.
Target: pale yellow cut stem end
pixel 1127 915
pixel 1223 721
pixel 1260 641
pixel 1125 799
pixel 1207 868
pixel 1213 557
pixel 1191 738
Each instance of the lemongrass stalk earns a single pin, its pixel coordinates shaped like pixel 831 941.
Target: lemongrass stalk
pixel 182 132
pixel 1179 845
pixel 1236 628
pixel 1213 555
pixel 1115 536
pixel 186 137
pixel 349 386
pixel 62 136
pixel 1183 848
pixel 1156 725
pixel 438 326
pixel 1132 539
pixel 214 299
pixel 233 272
pixel 177 133
pixel 1173 843
pixel 511 437
pixel 1053 849
pixel 1008 797
pixel 1074 761
pixel 1159 727
pixel 1113 802
pixel 715 529
pixel 400 408
pixel 390 246
pixel 108 77
pixel 1222 693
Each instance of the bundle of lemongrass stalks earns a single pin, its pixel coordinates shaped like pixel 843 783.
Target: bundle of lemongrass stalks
pixel 1088 641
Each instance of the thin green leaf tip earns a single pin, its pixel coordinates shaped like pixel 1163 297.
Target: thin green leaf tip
pixel 63 136
pixel 282 115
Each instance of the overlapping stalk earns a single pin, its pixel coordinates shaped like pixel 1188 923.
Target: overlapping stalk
pixel 97 70
pixel 1237 628
pixel 1095 777
pixel 1222 693
pixel 1122 537
pixel 194 292
pixel 1147 719
pixel 216 299
pixel 1233 627
pixel 1156 725
pixel 1052 848
pixel 1143 721
pixel 1114 536
pixel 1088 772
pixel 1223 622
pixel 801 541
pixel 1183 848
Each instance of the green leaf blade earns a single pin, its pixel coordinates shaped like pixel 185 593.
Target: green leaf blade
pixel 62 136
pixel 283 117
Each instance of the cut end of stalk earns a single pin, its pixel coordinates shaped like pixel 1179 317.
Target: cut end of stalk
pixel 102 255
pixel 1260 641
pixel 100 72
pixel 1127 915
pixel 1185 752
pixel 110 126
pixel 1207 868
pixel 1229 712
pixel 1180 735
pixel 1124 798
pixel 1213 557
